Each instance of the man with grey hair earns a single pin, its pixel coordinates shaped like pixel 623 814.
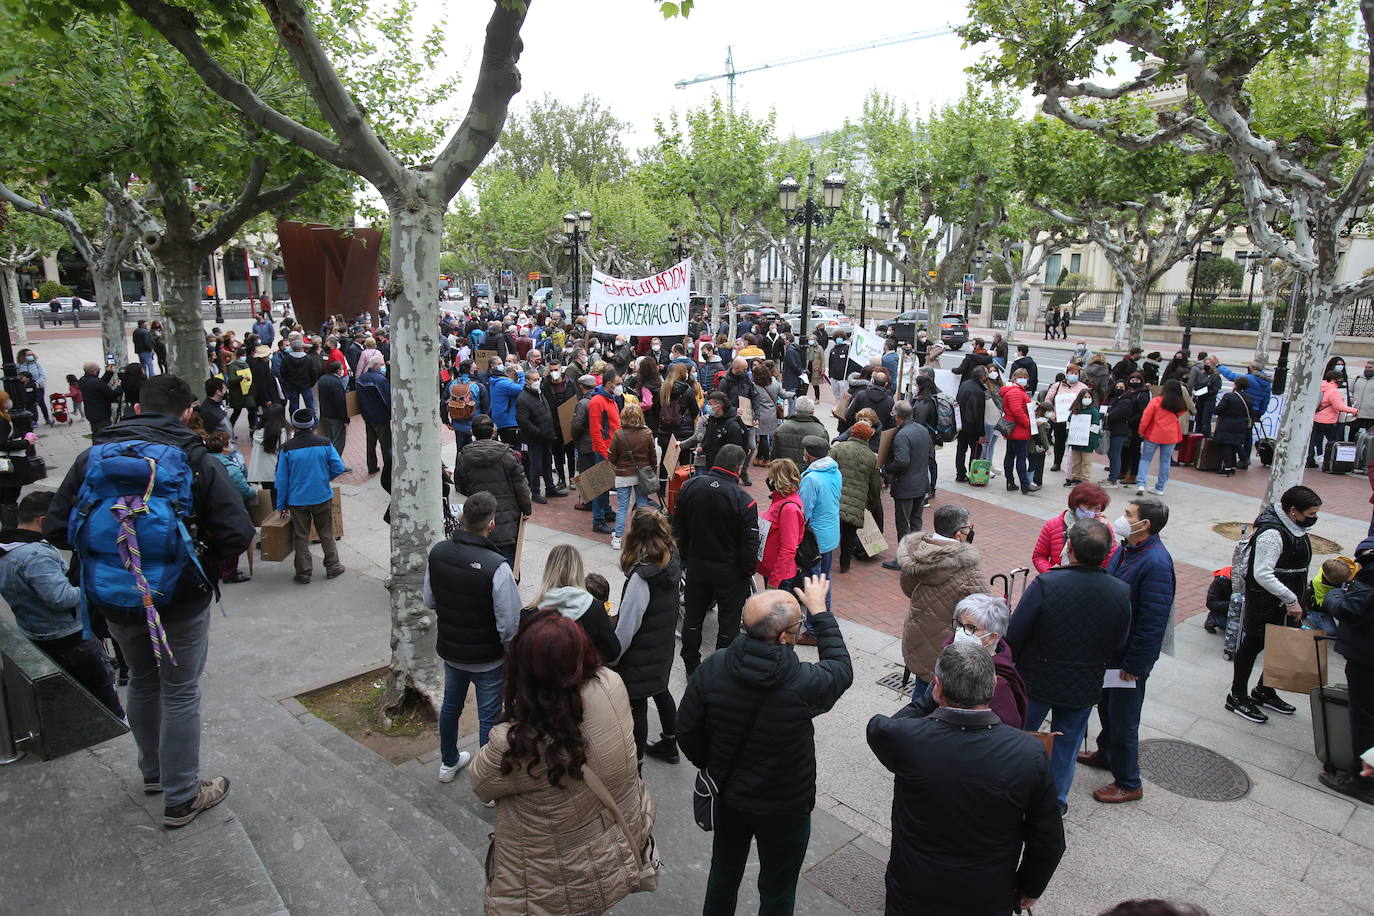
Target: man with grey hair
pixel 298 375
pixel 973 797
pixel 787 441
pixel 908 472
pixel 98 395
pixel 746 720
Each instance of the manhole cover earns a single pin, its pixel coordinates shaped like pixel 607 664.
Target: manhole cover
pixel 1192 770
pixel 1237 530
pixel 852 877
pixel 893 681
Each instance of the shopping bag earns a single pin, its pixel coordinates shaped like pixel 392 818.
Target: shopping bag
pixel 1289 662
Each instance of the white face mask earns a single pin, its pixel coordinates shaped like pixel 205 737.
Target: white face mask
pixel 555 375
pixel 1123 527
pixel 1023 382
pixel 961 635
pixel 534 386
pixel 619 389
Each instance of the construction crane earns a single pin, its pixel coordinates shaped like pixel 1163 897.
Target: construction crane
pixel 731 72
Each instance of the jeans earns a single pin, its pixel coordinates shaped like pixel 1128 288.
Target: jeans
pixel 1320 432
pixel 337 431
pixel 623 496
pixel 489 687
pixel 919 686
pixel 42 403
pixel 322 517
pixel 1147 451
pixel 164 700
pixel 462 437
pixel 703 588
pixel 86 662
pixel 1119 740
pixel 908 512
pixel 1073 722
pixel 294 395
pixel 990 447
pixel 1017 453
pixel 148 360
pixel 782 843
pixel 1115 443
pixel 541 467
pixel 1202 420
pixel 601 505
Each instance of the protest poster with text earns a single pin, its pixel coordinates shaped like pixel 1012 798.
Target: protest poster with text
pixel 656 305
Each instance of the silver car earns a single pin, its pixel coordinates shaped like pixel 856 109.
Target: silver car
pixel 836 323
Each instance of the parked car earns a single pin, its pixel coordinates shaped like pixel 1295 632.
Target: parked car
pixel 760 314
pixel 953 330
pixel 483 293
pixel 544 295
pixel 836 324
pixel 903 328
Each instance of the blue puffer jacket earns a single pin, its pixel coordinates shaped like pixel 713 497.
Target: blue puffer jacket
pixel 504 393
pixel 305 466
pixel 821 485
pixel 1261 387
pixel 33 581
pixel 1149 570
pixel 374 397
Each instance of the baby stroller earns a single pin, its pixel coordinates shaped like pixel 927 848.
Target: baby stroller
pixel 59 408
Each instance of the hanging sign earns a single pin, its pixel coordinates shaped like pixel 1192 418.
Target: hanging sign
pixel 656 305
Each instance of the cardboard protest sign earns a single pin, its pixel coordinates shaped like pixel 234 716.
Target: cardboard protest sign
pixel 597 479
pixel 565 418
pixel 885 446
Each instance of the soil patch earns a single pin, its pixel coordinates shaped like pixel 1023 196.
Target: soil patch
pixel 354 707
pixel 1236 530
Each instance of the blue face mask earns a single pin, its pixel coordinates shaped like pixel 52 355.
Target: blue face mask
pixel 382 370
pixel 1085 513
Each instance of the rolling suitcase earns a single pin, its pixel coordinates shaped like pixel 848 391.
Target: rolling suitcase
pixel 1338 458
pixel 1331 737
pixel 979 471
pixel 675 484
pixel 1188 449
pixel 1362 450
pixel 1208 456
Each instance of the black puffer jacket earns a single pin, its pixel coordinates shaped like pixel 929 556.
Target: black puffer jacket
pixel 645 664
pixel 723 692
pixel 298 370
pixel 534 417
pixel 491 465
pixel 718 431
pixel 1233 419
pixel 716 525
pixel 876 398
pixel 971 398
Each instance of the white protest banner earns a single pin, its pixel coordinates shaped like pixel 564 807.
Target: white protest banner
pixel 641 308
pixel 865 347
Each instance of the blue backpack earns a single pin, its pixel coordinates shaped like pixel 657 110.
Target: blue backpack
pixel 128 525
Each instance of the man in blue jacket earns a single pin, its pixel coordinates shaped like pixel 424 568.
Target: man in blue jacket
pixel 305 466
pixel 265 330
pixel 1144 564
pixel 1261 387
pixel 374 403
pixel 504 390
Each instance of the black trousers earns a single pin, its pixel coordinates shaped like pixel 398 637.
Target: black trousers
pixel 1359 678
pixel 968 440
pixel 1059 433
pixel 782 841
pixel 704 588
pixel 85 660
pixel 379 434
pixel 1252 644
pixel 667 718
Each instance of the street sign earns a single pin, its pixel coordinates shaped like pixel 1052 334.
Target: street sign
pixel 508 279
pixel 968 285
pixel 932 274
pixel 534 276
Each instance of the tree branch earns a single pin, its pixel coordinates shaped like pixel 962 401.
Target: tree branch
pixel 62 217
pixel 250 205
pixel 497 83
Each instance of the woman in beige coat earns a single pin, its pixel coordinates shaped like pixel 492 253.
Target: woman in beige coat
pixel 558 850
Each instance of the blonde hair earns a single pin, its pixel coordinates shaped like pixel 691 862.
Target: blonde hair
pixel 870 415
pixel 631 417
pixel 783 475
pixel 563 568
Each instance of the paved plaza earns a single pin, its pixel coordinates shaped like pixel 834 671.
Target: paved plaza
pixel 316 823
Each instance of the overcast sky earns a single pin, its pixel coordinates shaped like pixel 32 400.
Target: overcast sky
pixel 624 52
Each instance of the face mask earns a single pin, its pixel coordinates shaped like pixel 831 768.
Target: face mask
pixel 534 386
pixel 1023 382
pixel 1136 383
pixel 1306 522
pixel 555 375
pixel 963 636
pixel 1339 367
pixel 968 536
pixel 33 359
pixel 1085 513
pixel 382 370
pixel 657 349
pixel 1070 379
pixel 619 390
pixel 1122 526
pixel 1369 373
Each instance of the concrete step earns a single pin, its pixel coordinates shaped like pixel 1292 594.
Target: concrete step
pixel 431 834
pixel 375 855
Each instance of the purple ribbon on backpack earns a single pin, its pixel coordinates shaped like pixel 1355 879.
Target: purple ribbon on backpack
pixel 125 509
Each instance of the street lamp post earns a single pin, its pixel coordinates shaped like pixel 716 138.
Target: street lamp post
pixel 1217 243
pixel 575 227
pixel 883 229
pixel 676 247
pixel 809 214
pixel 1254 266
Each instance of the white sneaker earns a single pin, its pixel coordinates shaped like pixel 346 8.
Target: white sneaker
pixel 1159 491
pixel 489 804
pixel 1140 491
pixel 446 773
pixel 615 542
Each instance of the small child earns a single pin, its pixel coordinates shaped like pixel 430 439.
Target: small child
pixel 600 590
pixel 1335 573
pixel 74 396
pixel 28 397
pixel 1218 600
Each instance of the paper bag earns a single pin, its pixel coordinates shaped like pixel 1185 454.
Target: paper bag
pixel 565 418
pixel 871 538
pixel 885 447
pixel 1293 660
pixel 746 412
pixel 597 479
pixel 351 402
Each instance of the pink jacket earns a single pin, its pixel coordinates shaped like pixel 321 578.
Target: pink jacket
pixel 1049 546
pixel 785 532
pixel 1332 404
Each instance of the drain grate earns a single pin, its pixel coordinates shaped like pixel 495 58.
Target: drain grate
pixel 893 681
pixel 853 878
pixel 1192 770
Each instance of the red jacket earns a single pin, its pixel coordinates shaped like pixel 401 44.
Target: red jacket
pixel 604 419
pixel 1016 408
pixel 1049 546
pixel 1159 425
pixel 785 532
